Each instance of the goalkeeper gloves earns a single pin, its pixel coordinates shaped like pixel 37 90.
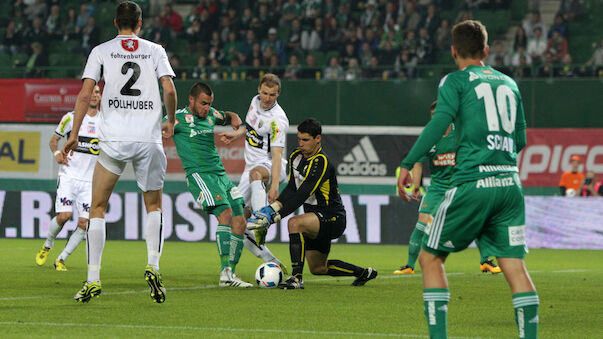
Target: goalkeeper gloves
pixel 264 217
pixel 260 235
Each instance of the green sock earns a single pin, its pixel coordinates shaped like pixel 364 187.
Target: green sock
pixel 526 314
pixel 236 248
pixel 414 244
pixel 436 310
pixel 223 241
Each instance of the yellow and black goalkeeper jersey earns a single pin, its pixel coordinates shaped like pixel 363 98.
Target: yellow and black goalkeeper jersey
pixel 313 183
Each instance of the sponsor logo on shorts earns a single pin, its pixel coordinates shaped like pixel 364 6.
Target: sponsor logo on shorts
pixel 235 194
pixel 66 202
pixel 448 244
pixel 495 182
pixel 517 235
pixel 86 207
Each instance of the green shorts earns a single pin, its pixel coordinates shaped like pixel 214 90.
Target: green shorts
pixel 431 201
pixel 490 210
pixel 215 193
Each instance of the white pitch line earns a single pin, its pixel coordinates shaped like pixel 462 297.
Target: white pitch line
pixel 223 329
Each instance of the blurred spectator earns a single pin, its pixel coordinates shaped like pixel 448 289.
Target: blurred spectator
pixel 406 65
pixel 373 71
pixel 424 47
pixel 89 37
pixel 264 20
pixel 390 14
pixel 370 12
pixel 231 47
pixel 411 43
pixel 556 47
pixel 36 32
pixel 175 62
pixel 193 33
pixel 533 22
pixel 11 39
pixel 247 45
pixel 267 54
pixel 53 22
pixel 371 39
pixel 537 46
pixel 215 70
pixel 311 38
pixel 200 71
pixel 591 187
pixel 566 69
pixel 292 68
pixel 190 18
pixel 277 45
pixel 291 10
pixel 596 60
pixel 224 28
pixel 334 71
pixel 353 70
pixel 82 18
pixel 343 13
pixel 520 53
pixel 431 21
pixel 35 10
pixel 256 52
pixel 571 9
pixel 500 65
pixel 523 70
pixel 365 53
pixel 443 38
pixel 497 52
pixel 160 34
pixel 256 71
pixel 294 39
pixel 171 20
pixel 411 18
pixel 245 19
pixel 521 39
pixel 546 70
pixel 572 180
pixel 215 47
pixel 37 60
pixel 387 55
pixel 310 69
pixel 473 5
pixel 70 25
pixel 560 25
pixel 333 34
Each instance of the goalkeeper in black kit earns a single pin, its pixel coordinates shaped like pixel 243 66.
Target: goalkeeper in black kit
pixel 313 183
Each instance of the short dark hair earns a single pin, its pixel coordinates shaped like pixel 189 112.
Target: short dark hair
pixel 469 38
pixel 310 126
pixel 127 15
pixel 200 87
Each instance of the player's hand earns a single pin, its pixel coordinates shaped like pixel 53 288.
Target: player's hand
pixel 167 129
pixel 69 146
pixel 227 137
pixel 404 180
pixel 235 120
pixel 272 193
pixel 263 218
pixel 61 159
pixel 416 192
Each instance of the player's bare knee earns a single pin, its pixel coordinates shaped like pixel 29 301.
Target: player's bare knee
pixel 82 223
pixel 238 225
pixel 63 217
pixel 319 270
pixel 294 225
pixel 254 175
pixel 225 218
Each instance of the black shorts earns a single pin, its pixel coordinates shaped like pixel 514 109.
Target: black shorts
pixel 332 226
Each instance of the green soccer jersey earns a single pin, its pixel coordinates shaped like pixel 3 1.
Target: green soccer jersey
pixel 194 139
pixel 441 163
pixel 487 109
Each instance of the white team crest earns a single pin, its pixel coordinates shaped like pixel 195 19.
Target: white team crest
pixel 188 118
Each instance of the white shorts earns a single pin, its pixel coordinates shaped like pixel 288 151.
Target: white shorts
pixel 148 160
pixel 244 188
pixel 73 193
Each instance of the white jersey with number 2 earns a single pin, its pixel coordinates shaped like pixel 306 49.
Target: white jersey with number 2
pixel 131 103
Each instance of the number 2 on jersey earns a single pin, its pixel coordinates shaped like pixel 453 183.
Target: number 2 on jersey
pixel 504 106
pixel 127 89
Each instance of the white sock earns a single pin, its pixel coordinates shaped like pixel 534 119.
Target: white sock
pixel 258 195
pixel 95 243
pixel 74 240
pixel 260 251
pixel 154 236
pixel 53 230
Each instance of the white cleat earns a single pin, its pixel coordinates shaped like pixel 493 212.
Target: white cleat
pixel 237 282
pixel 225 277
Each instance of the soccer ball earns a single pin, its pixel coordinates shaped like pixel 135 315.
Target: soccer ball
pixel 570 192
pixel 268 275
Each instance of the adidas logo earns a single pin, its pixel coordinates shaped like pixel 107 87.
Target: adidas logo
pixel 448 244
pixel 362 160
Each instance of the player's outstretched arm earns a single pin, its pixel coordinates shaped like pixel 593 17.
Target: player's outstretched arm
pixel 275 172
pixel 233 120
pixel 170 99
pixel 54 146
pixel 228 137
pixel 81 106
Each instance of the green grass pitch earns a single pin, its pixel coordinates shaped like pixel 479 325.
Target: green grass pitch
pixel 38 301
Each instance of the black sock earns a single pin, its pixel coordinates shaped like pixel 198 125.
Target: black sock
pixel 340 268
pixel 296 249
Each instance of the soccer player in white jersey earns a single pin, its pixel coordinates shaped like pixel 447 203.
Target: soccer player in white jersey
pixel 130 131
pixel 74 188
pixel 266 127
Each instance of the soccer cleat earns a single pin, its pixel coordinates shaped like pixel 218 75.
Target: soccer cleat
pixel 292 283
pixel 225 277
pixel 42 256
pixel 88 291
pixel 406 269
pixel 489 266
pixel 369 273
pixel 237 282
pixel 59 265
pixel 155 282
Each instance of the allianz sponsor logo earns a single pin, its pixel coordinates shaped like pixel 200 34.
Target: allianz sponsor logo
pixel 362 160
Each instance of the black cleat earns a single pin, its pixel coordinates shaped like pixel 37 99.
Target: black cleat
pixel 292 283
pixel 369 273
pixel 155 282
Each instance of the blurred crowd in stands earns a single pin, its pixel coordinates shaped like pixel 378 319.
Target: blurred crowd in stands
pixel 303 39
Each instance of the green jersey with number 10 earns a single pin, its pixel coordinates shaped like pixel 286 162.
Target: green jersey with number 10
pixel 487 110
